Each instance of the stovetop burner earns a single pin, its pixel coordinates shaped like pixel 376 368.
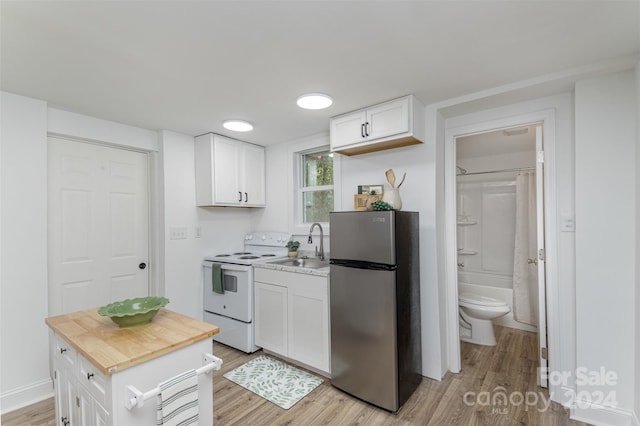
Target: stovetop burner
pixel 258 247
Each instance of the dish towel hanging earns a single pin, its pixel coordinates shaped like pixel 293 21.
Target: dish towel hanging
pixel 178 400
pixel 217 278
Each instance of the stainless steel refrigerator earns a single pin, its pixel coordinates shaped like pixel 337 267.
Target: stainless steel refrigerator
pixel 375 306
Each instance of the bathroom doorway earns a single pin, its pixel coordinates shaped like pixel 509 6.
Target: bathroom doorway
pixel 543 120
pixel 499 211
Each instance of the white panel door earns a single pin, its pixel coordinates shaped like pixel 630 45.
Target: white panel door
pixel 97 225
pixel 542 283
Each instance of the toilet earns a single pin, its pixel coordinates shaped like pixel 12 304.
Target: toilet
pixel 476 316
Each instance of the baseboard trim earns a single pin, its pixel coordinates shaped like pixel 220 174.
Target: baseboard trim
pixel 599 415
pixel 26 395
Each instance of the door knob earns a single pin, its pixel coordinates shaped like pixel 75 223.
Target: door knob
pixel 142 265
pixel 534 261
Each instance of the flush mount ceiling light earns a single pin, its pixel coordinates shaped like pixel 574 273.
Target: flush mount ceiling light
pixel 238 125
pixel 314 101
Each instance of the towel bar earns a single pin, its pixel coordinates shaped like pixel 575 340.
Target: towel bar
pixel 135 398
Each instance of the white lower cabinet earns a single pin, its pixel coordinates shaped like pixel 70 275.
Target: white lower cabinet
pixel 292 316
pixel 85 396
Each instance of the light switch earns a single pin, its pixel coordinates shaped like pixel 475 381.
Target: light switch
pixel 198 231
pixel 178 233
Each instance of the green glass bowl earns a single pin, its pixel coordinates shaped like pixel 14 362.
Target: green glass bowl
pixel 133 312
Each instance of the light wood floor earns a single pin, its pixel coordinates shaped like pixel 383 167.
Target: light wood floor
pixel 509 367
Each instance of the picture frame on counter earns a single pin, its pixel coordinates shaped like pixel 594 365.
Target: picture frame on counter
pixel 371 189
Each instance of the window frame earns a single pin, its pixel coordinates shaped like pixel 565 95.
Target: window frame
pixel 298 227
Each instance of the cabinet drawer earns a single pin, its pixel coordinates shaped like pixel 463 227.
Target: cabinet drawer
pixel 93 380
pixel 64 353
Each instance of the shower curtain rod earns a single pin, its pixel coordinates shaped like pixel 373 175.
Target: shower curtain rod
pixel 518 169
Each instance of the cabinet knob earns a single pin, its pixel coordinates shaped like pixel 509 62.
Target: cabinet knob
pixel 64 420
pixel 89 376
pixel 63 350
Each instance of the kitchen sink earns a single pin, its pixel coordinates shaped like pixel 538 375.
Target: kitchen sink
pixel 303 263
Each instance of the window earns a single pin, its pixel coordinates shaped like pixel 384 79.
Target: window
pixel 316 185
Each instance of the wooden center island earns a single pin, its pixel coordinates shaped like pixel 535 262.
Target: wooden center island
pixel 95 362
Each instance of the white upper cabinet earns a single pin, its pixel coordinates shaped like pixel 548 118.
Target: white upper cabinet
pixel 229 172
pixel 392 124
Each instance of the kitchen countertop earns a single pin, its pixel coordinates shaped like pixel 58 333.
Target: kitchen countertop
pixel 321 272
pixel 112 349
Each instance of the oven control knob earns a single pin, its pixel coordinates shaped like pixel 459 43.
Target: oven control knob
pixel 249 237
pixel 264 237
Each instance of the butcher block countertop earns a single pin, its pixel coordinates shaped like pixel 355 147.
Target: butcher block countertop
pixel 112 349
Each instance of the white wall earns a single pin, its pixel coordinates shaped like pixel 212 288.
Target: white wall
pixel 279 213
pixel 560 258
pixel 222 228
pixel 418 193
pixel 24 350
pixel 605 158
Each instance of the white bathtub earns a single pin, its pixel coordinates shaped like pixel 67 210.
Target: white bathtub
pixel 502 294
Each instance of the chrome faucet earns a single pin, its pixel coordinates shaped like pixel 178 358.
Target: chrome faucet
pixel 320 254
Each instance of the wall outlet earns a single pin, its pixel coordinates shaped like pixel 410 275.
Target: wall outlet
pixel 178 233
pixel 198 231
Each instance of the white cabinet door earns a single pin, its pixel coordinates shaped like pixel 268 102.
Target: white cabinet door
pixel 65 397
pixel 229 172
pixel 226 180
pixel 309 322
pixel 348 129
pixel 271 317
pixel 253 185
pixel 388 119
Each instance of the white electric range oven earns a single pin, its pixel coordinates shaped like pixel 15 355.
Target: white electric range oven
pixel 232 310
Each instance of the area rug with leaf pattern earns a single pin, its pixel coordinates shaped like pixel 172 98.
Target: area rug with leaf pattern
pixel 274 380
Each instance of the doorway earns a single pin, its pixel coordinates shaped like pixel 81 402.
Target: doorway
pixel 547 212
pixel 497 231
pixel 98 225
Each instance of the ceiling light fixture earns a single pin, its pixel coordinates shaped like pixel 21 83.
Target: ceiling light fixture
pixel 314 101
pixel 238 125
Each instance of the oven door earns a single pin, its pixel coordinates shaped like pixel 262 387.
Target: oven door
pixel 237 299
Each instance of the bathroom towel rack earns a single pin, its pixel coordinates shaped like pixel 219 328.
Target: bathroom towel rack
pixel 136 398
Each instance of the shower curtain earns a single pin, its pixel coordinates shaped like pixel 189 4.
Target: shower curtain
pixel 525 275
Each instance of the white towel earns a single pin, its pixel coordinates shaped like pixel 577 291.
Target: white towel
pixel 178 400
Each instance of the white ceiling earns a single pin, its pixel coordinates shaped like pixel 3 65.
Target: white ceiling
pixel 186 66
pixel 521 139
